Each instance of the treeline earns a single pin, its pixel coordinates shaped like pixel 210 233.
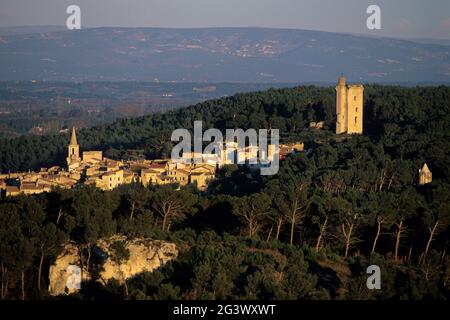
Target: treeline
pixel 419 116
pixel 285 242
pixel 308 232
pixel 46 107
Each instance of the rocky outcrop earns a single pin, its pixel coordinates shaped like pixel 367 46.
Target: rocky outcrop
pixel 62 275
pixel 116 257
pixel 143 255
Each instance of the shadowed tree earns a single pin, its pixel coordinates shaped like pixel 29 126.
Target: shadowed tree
pixel 381 209
pixel 293 203
pixel 10 230
pixel 437 214
pixel 49 241
pixel 253 210
pixel 323 204
pixel 404 208
pixel 120 254
pixel 92 211
pixel 350 207
pixel 172 205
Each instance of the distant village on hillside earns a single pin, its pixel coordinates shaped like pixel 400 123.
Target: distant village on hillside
pixel 94 169
pixel 107 174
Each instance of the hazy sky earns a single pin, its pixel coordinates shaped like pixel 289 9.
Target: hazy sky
pixel 400 18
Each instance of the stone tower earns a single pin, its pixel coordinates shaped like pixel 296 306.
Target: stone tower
pixel 73 157
pixel 349 107
pixel 425 175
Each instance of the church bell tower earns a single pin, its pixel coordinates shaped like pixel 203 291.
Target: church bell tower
pixel 73 157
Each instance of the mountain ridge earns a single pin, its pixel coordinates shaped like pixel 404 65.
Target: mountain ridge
pixel 252 54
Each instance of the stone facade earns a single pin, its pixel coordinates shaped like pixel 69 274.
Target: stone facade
pixel 349 108
pixel 104 173
pixel 425 175
pixel 107 174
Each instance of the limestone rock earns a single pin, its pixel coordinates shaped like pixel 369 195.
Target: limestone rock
pixel 61 273
pixel 144 256
pixel 119 258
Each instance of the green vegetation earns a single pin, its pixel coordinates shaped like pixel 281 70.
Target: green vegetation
pixel 308 232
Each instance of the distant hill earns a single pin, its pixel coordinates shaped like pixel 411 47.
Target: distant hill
pixel 444 42
pixel 42 107
pixel 216 55
pixel 22 30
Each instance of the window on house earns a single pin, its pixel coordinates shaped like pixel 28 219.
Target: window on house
pixel 356 120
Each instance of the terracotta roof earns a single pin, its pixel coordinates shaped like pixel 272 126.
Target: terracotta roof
pixel 110 173
pixel 30 187
pixel 28 184
pixel 183 171
pixel 12 189
pixel 157 166
pixel 201 174
pixel 150 171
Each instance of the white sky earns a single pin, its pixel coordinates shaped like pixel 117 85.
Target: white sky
pixel 400 18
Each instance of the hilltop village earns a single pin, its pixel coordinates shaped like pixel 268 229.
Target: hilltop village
pixel 92 168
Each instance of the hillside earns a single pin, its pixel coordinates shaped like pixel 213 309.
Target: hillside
pixel 413 120
pixel 308 232
pixel 216 55
pixel 35 107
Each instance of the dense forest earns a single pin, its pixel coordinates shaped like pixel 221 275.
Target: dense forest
pixel 308 232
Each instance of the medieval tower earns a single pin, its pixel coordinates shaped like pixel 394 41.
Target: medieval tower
pixel 349 107
pixel 73 157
